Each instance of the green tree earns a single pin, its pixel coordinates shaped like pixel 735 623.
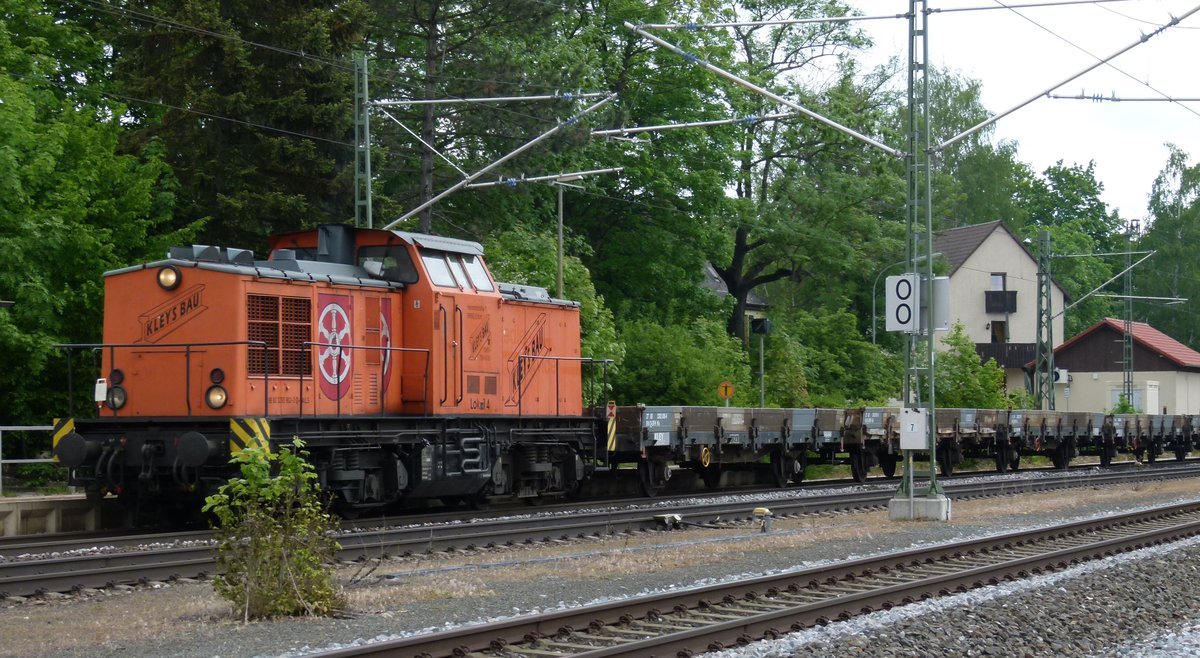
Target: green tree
pixel 681 365
pixel 274 539
pixel 71 206
pixel 253 102
pixel 1065 201
pixel 813 361
pixel 962 380
pixel 1174 229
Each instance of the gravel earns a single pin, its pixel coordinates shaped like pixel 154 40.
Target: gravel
pixel 1142 604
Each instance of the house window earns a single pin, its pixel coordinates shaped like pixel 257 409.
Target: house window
pixel 999 331
pixel 999 281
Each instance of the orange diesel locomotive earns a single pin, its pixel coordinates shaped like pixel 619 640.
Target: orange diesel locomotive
pixel 405 369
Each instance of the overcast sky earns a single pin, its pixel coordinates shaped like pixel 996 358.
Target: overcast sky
pixel 1018 54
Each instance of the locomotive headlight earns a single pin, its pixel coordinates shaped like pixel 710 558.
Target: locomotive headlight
pixel 168 277
pixel 116 398
pixel 216 397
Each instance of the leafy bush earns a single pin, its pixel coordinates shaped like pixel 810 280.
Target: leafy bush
pixel 275 540
pixel 38 476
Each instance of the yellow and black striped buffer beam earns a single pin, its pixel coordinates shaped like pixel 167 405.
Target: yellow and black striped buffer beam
pixel 245 433
pixel 62 427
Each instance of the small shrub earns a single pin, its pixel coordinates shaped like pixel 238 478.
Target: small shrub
pixel 38 476
pixel 275 540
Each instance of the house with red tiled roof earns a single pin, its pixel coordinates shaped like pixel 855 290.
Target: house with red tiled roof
pixel 1165 372
pixel 993 293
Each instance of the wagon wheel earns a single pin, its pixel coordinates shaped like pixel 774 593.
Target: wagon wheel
pixel 887 464
pixel 711 475
pixel 798 466
pixel 649 484
pixel 858 464
pixel 1059 457
pixel 780 468
pixel 945 460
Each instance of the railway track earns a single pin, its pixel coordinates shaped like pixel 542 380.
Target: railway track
pixel 709 618
pixel 60 566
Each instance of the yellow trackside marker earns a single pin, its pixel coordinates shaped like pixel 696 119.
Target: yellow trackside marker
pixel 705 457
pixel 245 433
pixel 62 427
pixel 612 426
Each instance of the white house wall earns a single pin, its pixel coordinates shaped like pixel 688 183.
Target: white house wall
pixel 1179 392
pixel 1000 253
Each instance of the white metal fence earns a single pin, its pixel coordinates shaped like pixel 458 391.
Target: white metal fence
pixel 20 428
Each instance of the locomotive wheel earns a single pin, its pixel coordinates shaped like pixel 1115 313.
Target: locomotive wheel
pixel 858 464
pixel 887 464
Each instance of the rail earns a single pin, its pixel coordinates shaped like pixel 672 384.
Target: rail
pixel 187 364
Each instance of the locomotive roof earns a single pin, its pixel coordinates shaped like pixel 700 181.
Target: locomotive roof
pixel 440 243
pixel 291 269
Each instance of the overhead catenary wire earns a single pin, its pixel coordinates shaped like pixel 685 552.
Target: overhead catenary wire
pixel 565 176
pixel 492 99
pixel 423 142
pixel 764 92
pixel 496 163
pixel 1113 98
pixel 692 124
pixel 780 21
pixel 984 124
pixel 1051 3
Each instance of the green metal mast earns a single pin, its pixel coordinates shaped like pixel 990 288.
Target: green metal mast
pixel 919 353
pixel 1127 342
pixel 362 146
pixel 1043 372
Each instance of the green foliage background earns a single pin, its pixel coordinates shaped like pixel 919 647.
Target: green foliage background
pixel 127 128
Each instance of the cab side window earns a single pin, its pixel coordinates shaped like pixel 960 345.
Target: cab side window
pixel 454 270
pixel 388 262
pixel 438 269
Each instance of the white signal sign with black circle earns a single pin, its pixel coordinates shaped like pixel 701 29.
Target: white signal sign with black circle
pixel 903 302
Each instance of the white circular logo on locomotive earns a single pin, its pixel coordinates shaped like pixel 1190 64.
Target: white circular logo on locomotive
pixel 333 361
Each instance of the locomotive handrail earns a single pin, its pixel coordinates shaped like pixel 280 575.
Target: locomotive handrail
pixel 557 361
pixel 425 402
pixel 445 352
pixel 187 364
pixel 458 357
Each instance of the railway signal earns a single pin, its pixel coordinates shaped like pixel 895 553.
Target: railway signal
pixel 903 303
